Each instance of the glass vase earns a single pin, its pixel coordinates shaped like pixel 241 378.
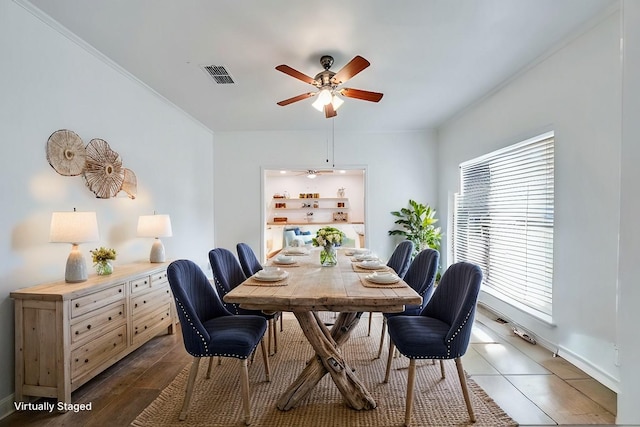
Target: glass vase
pixel 104 268
pixel 329 256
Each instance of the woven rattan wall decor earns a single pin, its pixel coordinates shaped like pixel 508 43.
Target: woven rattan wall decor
pixel 100 166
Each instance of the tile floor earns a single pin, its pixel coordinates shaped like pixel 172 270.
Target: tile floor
pixel 529 383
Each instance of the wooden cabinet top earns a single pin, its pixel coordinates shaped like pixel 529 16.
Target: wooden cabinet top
pixel 61 290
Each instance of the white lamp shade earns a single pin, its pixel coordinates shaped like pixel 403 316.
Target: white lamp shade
pixel 154 226
pixel 73 227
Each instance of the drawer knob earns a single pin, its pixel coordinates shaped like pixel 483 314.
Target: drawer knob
pixel 77 332
pixel 77 304
pixel 86 360
pixel 88 326
pixel 120 290
pixel 109 317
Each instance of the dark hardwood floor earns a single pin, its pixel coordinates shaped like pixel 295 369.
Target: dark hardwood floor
pixel 121 392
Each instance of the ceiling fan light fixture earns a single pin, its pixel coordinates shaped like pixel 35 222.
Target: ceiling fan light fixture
pixel 318 105
pixel 336 102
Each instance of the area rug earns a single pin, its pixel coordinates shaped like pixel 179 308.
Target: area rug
pixel 217 401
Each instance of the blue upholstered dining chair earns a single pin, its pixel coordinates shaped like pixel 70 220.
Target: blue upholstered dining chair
pixel 209 330
pixel 248 259
pixel 441 331
pixel 227 274
pixel 421 277
pixel 400 260
pixel 250 266
pixel 401 257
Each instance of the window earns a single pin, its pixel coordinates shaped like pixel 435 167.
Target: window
pixel 503 221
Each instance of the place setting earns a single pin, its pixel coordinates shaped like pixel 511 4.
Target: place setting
pixel 285 261
pixel 369 266
pixel 269 276
pixel 295 251
pixel 382 279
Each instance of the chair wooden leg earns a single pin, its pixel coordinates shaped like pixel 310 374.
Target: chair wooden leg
pixel 442 368
pixel 209 368
pixel 244 380
pixel 190 383
pixel 392 348
pixel 370 318
pixel 410 385
pixel 275 337
pixel 219 360
pixel 465 391
pixel 382 334
pixel 265 359
pixel 269 333
pixel 281 322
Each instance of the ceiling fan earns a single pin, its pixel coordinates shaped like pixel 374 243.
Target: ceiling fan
pixel 312 173
pixel 328 84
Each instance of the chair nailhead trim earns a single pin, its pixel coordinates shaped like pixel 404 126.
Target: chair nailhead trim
pixel 204 342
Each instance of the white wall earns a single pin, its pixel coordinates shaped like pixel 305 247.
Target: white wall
pixel 629 269
pixel 49 82
pixel 575 92
pixel 400 166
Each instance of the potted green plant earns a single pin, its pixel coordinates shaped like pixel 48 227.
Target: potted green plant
pixel 418 226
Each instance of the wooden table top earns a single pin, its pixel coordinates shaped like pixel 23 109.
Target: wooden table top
pixel 311 287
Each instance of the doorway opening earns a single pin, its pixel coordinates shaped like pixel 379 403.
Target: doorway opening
pixel 297 202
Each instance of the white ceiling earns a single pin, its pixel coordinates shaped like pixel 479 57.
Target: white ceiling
pixel 430 58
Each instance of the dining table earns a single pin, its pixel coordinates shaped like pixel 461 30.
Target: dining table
pixel 304 287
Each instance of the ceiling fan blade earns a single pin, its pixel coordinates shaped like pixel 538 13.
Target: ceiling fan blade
pixel 296 99
pixel 356 65
pixel 365 95
pixel 329 111
pixel 296 74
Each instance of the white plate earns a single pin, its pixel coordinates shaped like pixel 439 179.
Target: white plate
pixel 287 261
pixel 366 257
pixel 382 278
pixel 268 276
pixel 296 251
pixel 356 251
pixel 371 265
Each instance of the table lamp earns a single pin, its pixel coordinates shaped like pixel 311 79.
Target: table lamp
pixel 75 228
pixel 155 226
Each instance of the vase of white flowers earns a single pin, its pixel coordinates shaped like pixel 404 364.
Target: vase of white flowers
pixel 102 260
pixel 328 238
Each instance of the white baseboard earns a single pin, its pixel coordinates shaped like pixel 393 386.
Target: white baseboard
pixel 597 374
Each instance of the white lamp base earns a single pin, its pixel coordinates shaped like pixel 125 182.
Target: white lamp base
pixel 76 270
pixel 157 252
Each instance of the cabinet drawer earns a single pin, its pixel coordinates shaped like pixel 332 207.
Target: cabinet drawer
pixel 159 278
pixel 141 284
pixel 99 321
pixel 149 324
pixel 96 300
pixel 150 300
pixel 95 352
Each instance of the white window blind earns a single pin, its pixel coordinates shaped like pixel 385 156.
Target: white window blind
pixel 503 221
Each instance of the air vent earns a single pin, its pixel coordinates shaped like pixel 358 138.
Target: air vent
pixel 219 74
